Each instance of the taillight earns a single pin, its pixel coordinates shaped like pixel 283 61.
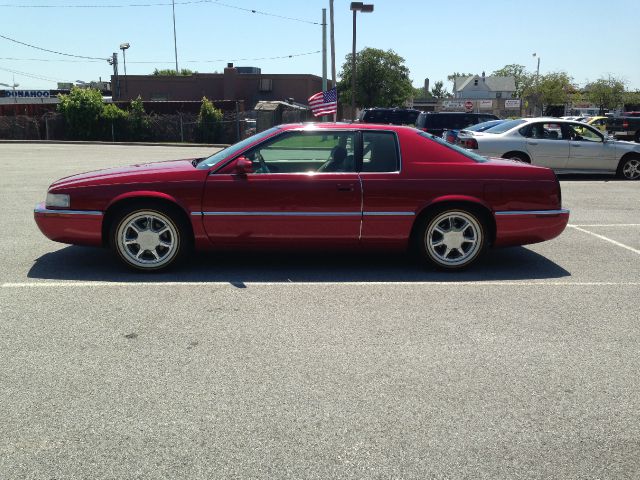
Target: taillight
pixel 471 143
pixel 625 124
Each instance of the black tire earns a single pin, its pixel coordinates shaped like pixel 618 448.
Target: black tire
pixel 149 237
pixel 517 156
pixel 629 167
pixel 451 228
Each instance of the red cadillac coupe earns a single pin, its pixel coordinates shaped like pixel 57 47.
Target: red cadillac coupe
pixel 312 186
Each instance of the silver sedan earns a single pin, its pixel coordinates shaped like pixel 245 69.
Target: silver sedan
pixel 563 145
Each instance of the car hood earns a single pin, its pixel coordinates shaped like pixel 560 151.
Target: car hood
pixel 143 172
pixel 624 146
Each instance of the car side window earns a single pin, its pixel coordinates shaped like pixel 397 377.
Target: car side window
pixel 546 131
pixel 380 152
pixel 582 133
pixel 305 152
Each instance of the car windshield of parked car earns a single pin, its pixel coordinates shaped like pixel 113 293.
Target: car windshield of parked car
pixel 233 149
pixel 463 151
pixel 505 126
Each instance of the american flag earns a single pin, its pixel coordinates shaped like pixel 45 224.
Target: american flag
pixel 324 103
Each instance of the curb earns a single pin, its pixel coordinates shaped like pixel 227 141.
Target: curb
pixel 145 144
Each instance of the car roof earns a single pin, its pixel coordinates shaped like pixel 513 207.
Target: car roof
pixel 344 126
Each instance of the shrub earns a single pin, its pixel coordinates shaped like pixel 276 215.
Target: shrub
pixel 209 122
pixel 82 109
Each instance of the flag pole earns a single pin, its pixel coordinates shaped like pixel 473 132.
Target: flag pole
pixel 333 57
pixel 324 54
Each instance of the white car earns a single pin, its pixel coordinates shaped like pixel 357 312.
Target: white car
pixel 563 145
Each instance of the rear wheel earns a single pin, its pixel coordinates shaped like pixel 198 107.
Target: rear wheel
pixel 148 239
pixel 517 156
pixel 452 239
pixel 629 167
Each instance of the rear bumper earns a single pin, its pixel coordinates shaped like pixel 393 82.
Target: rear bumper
pixel 524 227
pixel 78 227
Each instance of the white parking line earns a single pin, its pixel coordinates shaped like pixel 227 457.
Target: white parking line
pixel 607 239
pixel 606 225
pixel 478 283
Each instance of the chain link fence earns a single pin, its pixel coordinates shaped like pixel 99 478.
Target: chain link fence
pixel 150 128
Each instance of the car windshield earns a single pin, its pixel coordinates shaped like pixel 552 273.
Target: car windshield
pixel 451 146
pixel 505 126
pixel 233 149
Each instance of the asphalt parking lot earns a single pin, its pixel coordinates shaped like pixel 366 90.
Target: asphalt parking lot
pixel 317 365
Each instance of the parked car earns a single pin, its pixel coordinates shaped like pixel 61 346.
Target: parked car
pixel 437 123
pixel 598 122
pixel 565 146
pixel 323 186
pixel 452 135
pixel 624 128
pixel 392 116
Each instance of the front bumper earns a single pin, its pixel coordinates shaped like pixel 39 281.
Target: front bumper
pixel 525 227
pixel 78 227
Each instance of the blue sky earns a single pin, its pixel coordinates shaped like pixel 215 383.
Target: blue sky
pixel 588 39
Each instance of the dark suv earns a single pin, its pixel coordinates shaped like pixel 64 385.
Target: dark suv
pixel 395 116
pixel 436 123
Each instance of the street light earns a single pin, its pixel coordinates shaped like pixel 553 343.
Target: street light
pixel 364 8
pixel 537 78
pixel 123 47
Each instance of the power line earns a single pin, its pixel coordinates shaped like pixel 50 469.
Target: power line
pixel 184 2
pixel 32 75
pixel 292 55
pixel 51 51
pixel 236 59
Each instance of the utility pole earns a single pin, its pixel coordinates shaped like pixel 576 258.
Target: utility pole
pixel 113 60
pixel 175 43
pixel 333 54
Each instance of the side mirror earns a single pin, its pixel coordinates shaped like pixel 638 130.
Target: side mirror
pixel 243 166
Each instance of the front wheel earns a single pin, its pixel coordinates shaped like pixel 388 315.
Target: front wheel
pixel 147 239
pixel 452 239
pixel 629 168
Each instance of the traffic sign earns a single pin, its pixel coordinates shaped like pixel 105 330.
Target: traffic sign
pixel 468 105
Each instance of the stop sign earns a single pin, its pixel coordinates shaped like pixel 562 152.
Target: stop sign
pixel 468 105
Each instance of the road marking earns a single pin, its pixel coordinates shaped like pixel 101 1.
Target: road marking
pixel 607 239
pixel 606 225
pixel 478 283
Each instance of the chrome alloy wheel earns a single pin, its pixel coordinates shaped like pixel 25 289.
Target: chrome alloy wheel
pixel 631 169
pixel 147 239
pixel 453 238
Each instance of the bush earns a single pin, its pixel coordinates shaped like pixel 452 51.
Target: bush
pixel 138 121
pixel 209 125
pixel 82 109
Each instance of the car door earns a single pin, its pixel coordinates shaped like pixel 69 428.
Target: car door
pixel 387 217
pixel 302 189
pixel 547 145
pixel 588 150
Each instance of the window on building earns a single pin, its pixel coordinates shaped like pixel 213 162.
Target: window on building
pixel 265 84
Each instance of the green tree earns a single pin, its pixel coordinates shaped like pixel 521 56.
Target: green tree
pixel 82 109
pixel 382 79
pixel 115 121
pixel 632 99
pixel 523 79
pixel 554 88
pixel 606 93
pixel 138 120
pixel 209 121
pixel 418 92
pixel 438 90
pixel 167 72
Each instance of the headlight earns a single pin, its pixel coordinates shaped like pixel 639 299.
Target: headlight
pixel 58 200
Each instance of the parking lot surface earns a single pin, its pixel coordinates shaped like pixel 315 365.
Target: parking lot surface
pixel 317 365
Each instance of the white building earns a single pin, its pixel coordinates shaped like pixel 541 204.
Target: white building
pixel 481 87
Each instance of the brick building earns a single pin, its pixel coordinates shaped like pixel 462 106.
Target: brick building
pixel 246 84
